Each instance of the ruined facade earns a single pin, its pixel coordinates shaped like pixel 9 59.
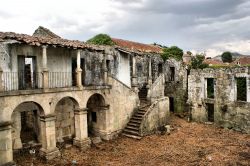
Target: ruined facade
pixel 221 96
pixel 54 90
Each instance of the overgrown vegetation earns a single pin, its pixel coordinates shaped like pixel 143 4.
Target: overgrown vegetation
pixel 101 39
pixel 197 62
pixel 227 57
pixel 172 52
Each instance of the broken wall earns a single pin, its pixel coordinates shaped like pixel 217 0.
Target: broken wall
pixel 228 111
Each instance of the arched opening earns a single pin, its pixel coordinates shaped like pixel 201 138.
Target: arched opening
pixel 26 130
pixel 65 122
pixel 96 115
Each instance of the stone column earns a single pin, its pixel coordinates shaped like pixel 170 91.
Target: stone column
pixel 6 154
pixel 105 70
pixel 81 139
pixel 79 70
pixel 48 133
pixel 45 71
pixel 134 76
pixel 1 81
pixel 150 72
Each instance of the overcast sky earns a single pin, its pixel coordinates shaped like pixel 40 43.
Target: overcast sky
pixel 212 26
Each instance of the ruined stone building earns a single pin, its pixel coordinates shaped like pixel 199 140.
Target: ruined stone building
pixel 54 90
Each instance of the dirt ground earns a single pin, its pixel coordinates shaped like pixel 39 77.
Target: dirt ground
pixel 188 144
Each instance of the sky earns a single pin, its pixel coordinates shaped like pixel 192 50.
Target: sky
pixel 210 26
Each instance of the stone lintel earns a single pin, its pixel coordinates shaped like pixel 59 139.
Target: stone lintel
pixel 82 144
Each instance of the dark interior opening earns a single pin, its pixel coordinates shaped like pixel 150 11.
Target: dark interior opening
pixel 171 104
pixel 108 66
pixel 94 118
pixel 172 73
pixel 83 69
pixel 241 89
pixel 210 112
pixel 210 88
pixel 28 126
pixel 160 69
pixel 74 66
pixel 139 70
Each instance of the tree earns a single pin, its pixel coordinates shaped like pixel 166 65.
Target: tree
pixel 172 52
pixel 227 57
pixel 197 62
pixel 101 39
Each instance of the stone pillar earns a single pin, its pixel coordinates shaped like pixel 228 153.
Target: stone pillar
pixel 48 133
pixel 134 76
pixel 45 71
pixel 150 72
pixel 79 70
pixel 105 70
pixel 81 139
pixel 1 81
pixel 6 154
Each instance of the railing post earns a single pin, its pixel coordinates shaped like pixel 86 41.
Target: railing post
pixel 45 71
pixel 1 80
pixel 79 70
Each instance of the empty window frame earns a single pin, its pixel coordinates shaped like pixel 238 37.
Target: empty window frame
pixel 172 73
pixel 108 66
pixel 241 84
pixel 139 70
pixel 210 88
pixel 160 69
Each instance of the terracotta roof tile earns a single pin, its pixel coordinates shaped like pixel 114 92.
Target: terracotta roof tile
pixel 137 46
pixel 37 41
pixel 213 62
pixel 242 61
pixel 44 32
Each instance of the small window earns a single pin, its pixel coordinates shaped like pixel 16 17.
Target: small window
pixel 241 88
pixel 172 73
pixel 108 65
pixel 139 70
pixel 210 88
pixel 94 117
pixel 160 69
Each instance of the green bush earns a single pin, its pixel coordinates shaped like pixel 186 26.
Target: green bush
pixel 101 39
pixel 172 52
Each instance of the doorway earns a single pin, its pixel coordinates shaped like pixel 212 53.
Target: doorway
pixel 171 104
pixel 210 112
pixel 27 72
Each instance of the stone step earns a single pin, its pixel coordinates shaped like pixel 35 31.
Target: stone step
pixel 136 118
pixel 132 128
pixel 132 136
pixel 133 124
pixel 135 121
pixel 138 115
pixel 132 132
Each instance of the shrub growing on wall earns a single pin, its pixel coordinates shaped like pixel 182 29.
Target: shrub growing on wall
pixel 101 39
pixel 197 62
pixel 172 52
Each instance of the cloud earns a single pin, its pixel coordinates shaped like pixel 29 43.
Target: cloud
pixel 201 25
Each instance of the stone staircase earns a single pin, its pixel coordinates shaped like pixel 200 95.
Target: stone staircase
pixel 133 126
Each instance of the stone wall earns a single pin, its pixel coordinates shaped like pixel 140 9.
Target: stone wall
pixel 157 115
pixel 228 112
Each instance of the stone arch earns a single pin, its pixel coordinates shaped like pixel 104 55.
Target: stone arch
pixel 97 115
pixel 65 119
pixel 26 127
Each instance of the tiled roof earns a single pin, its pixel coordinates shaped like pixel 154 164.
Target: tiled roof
pixel 38 41
pixel 242 61
pixel 213 62
pixel 134 46
pixel 44 32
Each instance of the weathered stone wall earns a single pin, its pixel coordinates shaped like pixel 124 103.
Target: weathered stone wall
pixel 228 112
pixel 157 115
pixel 176 88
